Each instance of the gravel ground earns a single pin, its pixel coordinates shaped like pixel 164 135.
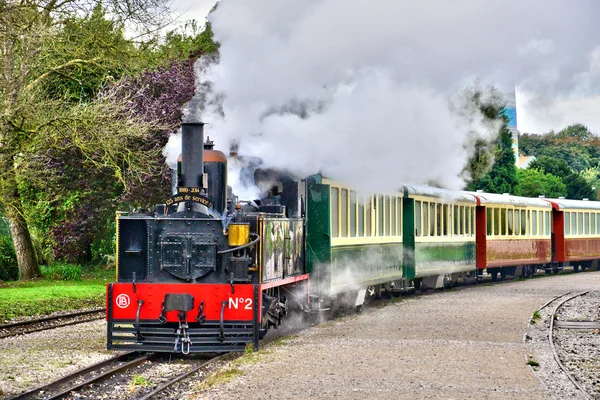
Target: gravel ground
pixel 461 344
pixel 578 350
pixel 30 360
pixel 464 344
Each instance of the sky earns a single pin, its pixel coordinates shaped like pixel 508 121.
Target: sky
pixel 532 118
pixel 372 93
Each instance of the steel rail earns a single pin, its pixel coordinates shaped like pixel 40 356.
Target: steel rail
pixel 110 372
pixel 73 375
pixel 46 328
pixel 555 354
pixel 51 318
pixel 178 378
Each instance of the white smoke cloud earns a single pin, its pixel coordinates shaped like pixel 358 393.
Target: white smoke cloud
pixel 375 82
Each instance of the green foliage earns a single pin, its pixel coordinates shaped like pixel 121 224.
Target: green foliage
pixel 576 131
pixel 577 187
pixel 535 317
pixel 93 37
pixel 533 363
pixel 9 271
pixel 62 272
pixel 139 380
pixel 191 42
pixel 502 178
pixel 533 183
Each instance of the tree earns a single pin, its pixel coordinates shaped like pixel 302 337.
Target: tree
pixel 534 183
pixel 577 187
pixel 575 131
pixel 33 114
pixel 502 177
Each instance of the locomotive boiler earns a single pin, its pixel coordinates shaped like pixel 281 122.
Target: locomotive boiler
pixel 203 272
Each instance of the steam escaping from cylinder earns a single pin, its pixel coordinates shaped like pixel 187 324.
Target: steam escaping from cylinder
pixel 376 93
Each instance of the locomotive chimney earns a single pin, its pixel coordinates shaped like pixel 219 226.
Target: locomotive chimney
pixel 192 147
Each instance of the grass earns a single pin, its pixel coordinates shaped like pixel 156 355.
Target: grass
pixel 533 363
pixel 139 380
pixel 43 297
pixel 535 317
pixel 234 369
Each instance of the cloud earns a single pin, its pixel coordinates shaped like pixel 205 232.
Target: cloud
pixel 365 92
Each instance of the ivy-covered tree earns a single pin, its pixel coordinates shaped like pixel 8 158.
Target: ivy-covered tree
pixel 33 54
pixel 534 183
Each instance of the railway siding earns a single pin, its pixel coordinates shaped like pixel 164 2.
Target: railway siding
pixel 464 343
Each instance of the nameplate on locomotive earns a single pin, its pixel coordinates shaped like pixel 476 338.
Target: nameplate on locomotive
pixel 189 194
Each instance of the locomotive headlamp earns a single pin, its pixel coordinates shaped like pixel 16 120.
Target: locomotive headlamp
pixel 239 234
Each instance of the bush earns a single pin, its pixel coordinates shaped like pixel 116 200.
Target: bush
pixel 9 271
pixel 62 272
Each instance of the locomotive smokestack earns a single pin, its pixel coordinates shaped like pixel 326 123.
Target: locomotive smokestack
pixel 192 147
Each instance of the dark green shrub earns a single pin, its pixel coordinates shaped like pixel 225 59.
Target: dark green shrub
pixel 62 272
pixel 9 271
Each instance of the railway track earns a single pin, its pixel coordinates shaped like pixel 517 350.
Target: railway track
pixel 42 324
pixel 563 345
pixel 553 347
pixel 84 377
pixel 79 383
pixel 176 379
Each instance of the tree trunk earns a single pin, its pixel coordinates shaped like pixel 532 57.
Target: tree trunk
pixel 26 257
pixel 24 250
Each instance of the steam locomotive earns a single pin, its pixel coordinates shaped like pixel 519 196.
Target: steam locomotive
pixel 205 272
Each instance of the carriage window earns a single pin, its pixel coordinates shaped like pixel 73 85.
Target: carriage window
pixel 598 222
pixel 334 212
pixel 580 223
pixel 439 217
pixel 534 223
pixel 417 218
pixel 455 220
pixel 567 223
pixel 503 221
pixel 523 223
pixel 445 219
pixel 352 213
pixel 399 215
pixel 496 221
pixel 344 212
pixel 472 221
pixel 467 221
pixel 586 223
pixel 592 223
pixel 431 219
pixel 380 213
pixel 574 223
pixel 517 228
pixel 361 218
pixel 425 218
pixel 392 223
pixel 510 222
pixel 369 216
pixel 489 221
pixel 461 220
pixel 547 219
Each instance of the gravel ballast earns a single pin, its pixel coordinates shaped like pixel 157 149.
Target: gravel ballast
pixel 460 344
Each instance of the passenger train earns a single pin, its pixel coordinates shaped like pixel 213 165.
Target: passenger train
pixel 205 272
